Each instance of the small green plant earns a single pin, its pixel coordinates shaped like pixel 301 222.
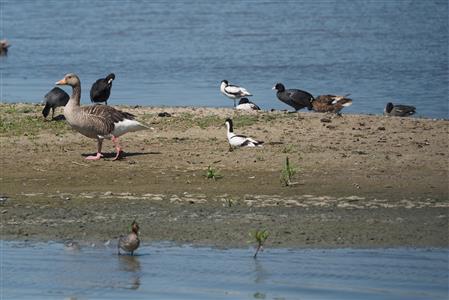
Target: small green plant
pixel 260 236
pixel 211 173
pixel 287 173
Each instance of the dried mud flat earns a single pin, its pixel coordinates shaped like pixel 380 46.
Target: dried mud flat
pixel 361 180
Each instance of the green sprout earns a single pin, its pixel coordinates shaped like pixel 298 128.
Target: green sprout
pixel 287 173
pixel 211 173
pixel 260 236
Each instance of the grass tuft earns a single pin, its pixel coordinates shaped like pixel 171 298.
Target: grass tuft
pixel 211 173
pixel 287 173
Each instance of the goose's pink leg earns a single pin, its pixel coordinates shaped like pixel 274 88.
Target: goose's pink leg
pixel 99 155
pixel 117 147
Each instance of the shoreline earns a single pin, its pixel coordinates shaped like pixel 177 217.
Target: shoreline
pixel 177 107
pixel 362 180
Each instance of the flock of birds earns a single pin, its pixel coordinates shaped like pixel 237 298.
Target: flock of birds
pixel 105 122
pixel 295 98
pixel 299 99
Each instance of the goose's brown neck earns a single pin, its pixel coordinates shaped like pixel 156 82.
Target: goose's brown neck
pixel 76 93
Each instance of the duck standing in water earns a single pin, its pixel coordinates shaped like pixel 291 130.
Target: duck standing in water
pixel 233 91
pixel 236 140
pixel 330 103
pixel 97 121
pixel 101 89
pixel 129 242
pixel 399 110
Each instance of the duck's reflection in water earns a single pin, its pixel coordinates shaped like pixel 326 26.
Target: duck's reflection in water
pixel 131 264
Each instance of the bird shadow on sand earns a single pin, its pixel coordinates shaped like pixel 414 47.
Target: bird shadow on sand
pixel 123 155
pixel 57 118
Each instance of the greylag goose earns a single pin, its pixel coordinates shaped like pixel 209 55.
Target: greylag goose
pixel 97 121
pixel 245 104
pixel 233 91
pixel 129 242
pixel 297 99
pixel 236 140
pixel 330 103
pixel 101 89
pixel 399 110
pixel 53 99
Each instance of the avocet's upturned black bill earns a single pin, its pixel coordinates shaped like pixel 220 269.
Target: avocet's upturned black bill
pixel 233 91
pixel 297 99
pixel 236 140
pixel 101 89
pixel 245 104
pixel 399 110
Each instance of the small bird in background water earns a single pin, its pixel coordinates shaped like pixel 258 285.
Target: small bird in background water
pixel 297 99
pixel 55 98
pixel 131 241
pixel 233 91
pixel 399 110
pixel 4 45
pixel 245 104
pixel 236 140
pixel 72 246
pixel 101 89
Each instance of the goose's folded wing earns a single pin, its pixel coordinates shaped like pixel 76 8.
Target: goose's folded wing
pixel 101 118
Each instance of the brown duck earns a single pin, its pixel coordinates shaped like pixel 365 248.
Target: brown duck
pixel 129 242
pixel 97 121
pixel 330 103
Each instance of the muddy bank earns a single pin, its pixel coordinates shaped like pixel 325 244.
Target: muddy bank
pixel 360 180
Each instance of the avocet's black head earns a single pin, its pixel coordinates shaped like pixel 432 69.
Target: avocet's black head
pixel 229 125
pixel 279 87
pixel 225 82
pixel 389 107
pixel 243 101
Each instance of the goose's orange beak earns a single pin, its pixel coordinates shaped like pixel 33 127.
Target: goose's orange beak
pixel 61 82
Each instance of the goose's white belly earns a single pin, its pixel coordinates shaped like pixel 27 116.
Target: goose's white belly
pixel 125 126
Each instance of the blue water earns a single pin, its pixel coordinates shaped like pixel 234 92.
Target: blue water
pixel 163 271
pixel 177 52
